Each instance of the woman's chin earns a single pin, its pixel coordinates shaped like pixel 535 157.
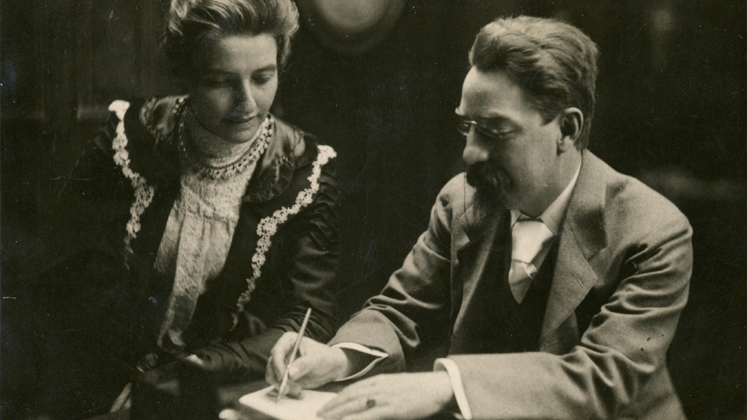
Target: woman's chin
pixel 238 133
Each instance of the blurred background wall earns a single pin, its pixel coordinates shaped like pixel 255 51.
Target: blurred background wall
pixel 671 111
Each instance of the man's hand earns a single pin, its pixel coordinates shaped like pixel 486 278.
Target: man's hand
pixel 315 365
pixel 398 396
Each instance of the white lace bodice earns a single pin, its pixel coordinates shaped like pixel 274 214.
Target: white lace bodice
pixel 200 227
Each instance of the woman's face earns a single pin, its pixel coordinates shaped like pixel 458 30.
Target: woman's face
pixel 235 84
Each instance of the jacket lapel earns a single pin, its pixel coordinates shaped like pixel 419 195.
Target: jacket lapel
pixel 582 236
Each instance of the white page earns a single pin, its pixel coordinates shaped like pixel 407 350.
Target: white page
pixel 287 408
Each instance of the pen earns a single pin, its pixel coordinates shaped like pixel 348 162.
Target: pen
pixel 293 355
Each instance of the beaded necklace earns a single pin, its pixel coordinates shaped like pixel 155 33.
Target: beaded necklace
pixel 248 158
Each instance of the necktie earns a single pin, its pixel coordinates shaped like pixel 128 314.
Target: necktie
pixel 528 237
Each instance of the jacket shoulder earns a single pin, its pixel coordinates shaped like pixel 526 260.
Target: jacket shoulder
pixel 634 210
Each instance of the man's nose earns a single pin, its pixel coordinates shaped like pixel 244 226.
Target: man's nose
pixel 244 97
pixel 475 151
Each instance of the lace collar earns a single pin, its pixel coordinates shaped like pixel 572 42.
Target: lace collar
pixel 153 128
pixel 209 155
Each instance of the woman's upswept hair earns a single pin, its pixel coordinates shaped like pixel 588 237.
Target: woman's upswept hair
pixel 191 24
pixel 555 63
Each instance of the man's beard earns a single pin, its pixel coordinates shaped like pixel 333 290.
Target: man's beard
pixel 491 185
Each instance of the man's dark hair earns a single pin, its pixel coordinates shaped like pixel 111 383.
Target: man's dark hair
pixel 555 63
pixel 191 24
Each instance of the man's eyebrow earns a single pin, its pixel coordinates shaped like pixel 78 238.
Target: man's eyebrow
pixel 213 70
pixel 270 67
pixel 490 118
pixel 496 119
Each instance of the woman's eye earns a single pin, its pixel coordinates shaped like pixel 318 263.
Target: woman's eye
pixel 216 81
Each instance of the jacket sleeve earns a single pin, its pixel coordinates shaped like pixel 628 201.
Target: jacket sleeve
pixel 412 312
pixel 314 258
pixel 75 304
pixel 90 209
pixel 620 358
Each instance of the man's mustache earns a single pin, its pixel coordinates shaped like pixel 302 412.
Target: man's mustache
pixel 486 175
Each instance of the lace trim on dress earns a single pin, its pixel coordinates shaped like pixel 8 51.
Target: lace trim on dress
pixel 143 191
pixel 268 226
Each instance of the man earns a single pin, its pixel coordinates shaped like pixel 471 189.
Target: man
pixel 555 282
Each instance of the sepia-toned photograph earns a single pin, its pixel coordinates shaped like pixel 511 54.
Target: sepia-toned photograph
pixel 373 209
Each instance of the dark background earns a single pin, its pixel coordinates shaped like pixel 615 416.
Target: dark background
pixel 671 111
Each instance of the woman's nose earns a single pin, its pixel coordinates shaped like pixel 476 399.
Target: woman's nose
pixel 475 151
pixel 245 103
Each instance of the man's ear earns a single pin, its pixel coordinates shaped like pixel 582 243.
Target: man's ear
pixel 571 121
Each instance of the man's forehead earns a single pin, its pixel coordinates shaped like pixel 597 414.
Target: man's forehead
pixel 490 95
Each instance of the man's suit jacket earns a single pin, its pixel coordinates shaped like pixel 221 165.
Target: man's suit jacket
pixel 620 281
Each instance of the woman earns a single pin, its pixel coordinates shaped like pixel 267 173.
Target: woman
pixel 206 226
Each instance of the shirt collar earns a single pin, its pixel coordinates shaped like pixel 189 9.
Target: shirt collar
pixel 553 215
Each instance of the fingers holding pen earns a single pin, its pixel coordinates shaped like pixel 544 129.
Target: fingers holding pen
pixel 296 376
pixel 275 363
pixel 271 374
pixel 279 356
pixel 316 364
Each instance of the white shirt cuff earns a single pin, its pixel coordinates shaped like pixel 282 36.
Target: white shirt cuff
pixel 456 384
pixel 378 357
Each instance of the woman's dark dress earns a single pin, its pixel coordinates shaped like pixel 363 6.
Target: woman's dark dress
pixel 95 308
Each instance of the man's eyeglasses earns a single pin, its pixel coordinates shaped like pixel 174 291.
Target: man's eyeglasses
pixel 464 126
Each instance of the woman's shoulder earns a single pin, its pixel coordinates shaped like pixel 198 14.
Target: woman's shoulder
pixel 296 147
pixel 295 159
pixel 140 135
pixel 292 144
pixel 159 115
pixel 156 116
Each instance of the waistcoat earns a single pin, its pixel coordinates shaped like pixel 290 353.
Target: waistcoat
pixel 499 324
